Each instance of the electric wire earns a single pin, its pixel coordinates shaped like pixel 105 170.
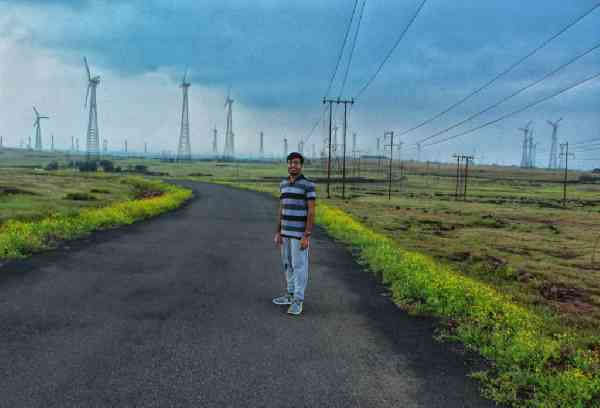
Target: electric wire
pixel 512 95
pixel 528 106
pixel 339 59
pixel 391 51
pixel 360 15
pixel 501 74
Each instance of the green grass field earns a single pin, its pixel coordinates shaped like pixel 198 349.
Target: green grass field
pixel 512 231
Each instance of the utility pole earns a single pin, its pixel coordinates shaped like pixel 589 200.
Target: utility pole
pixel 345 102
pixel 391 145
pixel 564 147
pixel 462 175
pixel 457 174
pixel 330 102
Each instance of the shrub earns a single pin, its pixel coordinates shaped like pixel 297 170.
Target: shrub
pixel 87 166
pixel 107 165
pixel 52 166
pixel 79 197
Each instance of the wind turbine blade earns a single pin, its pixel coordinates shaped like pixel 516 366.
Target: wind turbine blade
pixel 87 68
pixel 559 120
pixel 44 117
pixel 87 96
pixel 36 111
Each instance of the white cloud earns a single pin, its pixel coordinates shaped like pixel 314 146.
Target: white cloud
pixel 139 108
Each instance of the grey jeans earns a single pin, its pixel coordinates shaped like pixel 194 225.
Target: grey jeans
pixel 295 266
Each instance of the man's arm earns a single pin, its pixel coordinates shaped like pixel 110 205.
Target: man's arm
pixel 310 219
pixel 279 219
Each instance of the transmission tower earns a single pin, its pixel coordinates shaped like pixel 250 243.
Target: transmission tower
pixel 229 151
pixel 184 150
pixel 38 129
pixel 93 134
pixel 553 163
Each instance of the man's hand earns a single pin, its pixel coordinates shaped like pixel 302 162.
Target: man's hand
pixel 278 240
pixel 304 243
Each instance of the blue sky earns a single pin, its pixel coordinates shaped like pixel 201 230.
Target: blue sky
pixel 278 57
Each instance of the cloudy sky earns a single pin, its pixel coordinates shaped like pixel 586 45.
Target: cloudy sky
pixel 278 57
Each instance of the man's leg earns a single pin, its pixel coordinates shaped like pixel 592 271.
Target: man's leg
pixel 286 260
pixel 300 267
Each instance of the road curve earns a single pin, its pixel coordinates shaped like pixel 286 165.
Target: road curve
pixel 177 312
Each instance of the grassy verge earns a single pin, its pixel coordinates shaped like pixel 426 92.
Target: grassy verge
pixel 19 239
pixel 532 364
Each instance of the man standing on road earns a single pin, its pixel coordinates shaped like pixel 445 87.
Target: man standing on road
pixel 295 222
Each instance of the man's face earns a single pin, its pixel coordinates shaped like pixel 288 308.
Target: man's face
pixel 294 167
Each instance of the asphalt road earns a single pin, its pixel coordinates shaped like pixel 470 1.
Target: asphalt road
pixel 177 312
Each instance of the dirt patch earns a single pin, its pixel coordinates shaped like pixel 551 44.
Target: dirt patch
pixel 562 294
pixel 459 256
pixel 148 194
pixel 15 191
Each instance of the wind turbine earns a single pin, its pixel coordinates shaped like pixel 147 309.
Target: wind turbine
pixel 93 135
pixel 38 128
pixel 524 155
pixel 553 163
pixel 184 151
pixel 229 150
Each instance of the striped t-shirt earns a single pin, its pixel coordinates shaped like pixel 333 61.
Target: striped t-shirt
pixel 294 205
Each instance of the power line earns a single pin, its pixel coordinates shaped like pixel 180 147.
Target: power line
pixel 517 92
pixel 360 14
pixel 339 59
pixel 337 65
pixel 501 74
pixel 586 141
pixel 312 130
pixel 389 54
pixel 530 105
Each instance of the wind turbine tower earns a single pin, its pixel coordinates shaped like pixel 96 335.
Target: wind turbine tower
pixel 215 145
pixel 38 129
pixel 525 147
pixel 229 150
pixel 553 163
pixel 285 148
pixel 261 151
pixel 531 147
pixel 52 142
pixel 184 151
pixel 93 135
